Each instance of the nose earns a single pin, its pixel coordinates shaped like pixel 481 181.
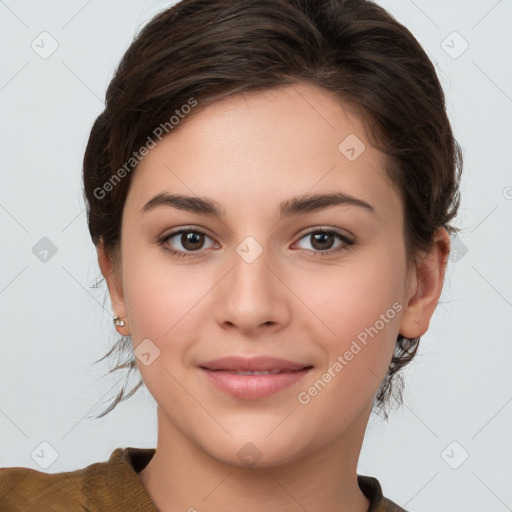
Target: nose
pixel 252 297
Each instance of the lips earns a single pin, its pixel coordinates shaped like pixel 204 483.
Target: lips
pixel 253 378
pixel 254 364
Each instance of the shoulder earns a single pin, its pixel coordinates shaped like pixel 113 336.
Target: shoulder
pixel 99 486
pixel 371 488
pixel 31 488
pixel 391 506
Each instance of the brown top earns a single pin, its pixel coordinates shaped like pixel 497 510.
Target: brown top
pixel 110 486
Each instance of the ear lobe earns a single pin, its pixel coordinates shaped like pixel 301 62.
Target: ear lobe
pixel 113 278
pixel 425 288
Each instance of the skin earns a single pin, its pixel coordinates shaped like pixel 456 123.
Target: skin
pixel 250 152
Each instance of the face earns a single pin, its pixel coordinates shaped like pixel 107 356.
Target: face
pixel 321 284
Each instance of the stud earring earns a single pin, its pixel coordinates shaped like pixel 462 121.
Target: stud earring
pixel 118 322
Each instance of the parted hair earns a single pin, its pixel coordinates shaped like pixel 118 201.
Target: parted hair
pixel 211 49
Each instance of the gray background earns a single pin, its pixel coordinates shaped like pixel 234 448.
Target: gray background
pixel 448 449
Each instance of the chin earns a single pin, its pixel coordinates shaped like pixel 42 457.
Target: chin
pixel 259 451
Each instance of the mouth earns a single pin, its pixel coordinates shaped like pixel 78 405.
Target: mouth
pixel 253 378
pixel 242 372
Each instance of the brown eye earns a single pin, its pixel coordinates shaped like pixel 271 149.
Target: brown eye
pixel 323 242
pixel 185 241
pixel 192 241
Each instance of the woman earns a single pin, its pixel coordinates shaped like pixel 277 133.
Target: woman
pixel 270 190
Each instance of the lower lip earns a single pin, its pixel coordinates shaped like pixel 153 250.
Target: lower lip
pixel 253 386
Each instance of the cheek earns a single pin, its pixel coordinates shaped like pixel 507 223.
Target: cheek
pixel 363 319
pixel 161 297
pixel 357 319
pixel 346 299
pixel 163 305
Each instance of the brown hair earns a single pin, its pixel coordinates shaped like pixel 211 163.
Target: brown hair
pixel 205 50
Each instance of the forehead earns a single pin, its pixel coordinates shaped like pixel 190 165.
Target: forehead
pixel 267 145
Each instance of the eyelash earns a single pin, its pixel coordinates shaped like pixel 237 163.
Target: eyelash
pixel 181 254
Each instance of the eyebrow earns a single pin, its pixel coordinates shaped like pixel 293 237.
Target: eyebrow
pixel 291 207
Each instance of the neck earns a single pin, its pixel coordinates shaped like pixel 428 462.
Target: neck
pixel 181 476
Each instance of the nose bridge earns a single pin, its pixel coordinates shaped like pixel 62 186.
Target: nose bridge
pixel 252 295
pixel 251 276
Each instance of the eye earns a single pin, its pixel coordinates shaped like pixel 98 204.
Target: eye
pixel 322 241
pixel 191 240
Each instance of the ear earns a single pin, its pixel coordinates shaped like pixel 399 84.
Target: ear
pixel 425 283
pixel 113 276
